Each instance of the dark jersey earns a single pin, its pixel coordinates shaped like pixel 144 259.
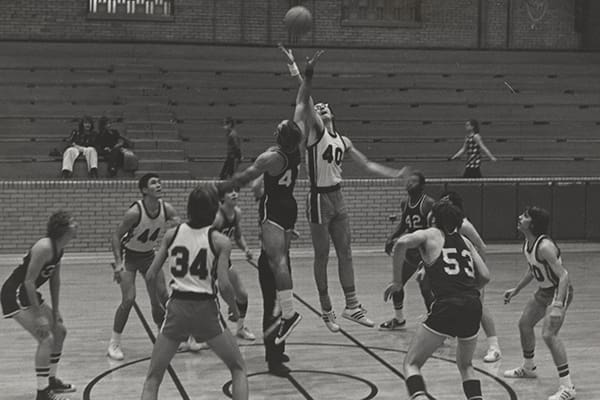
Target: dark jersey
pixel 18 276
pixel 453 273
pixel 227 227
pixel 414 216
pixel 281 186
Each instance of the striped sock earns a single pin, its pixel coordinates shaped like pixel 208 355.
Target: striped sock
pixel 350 295
pixel 54 359
pixel 564 375
pixel 415 386
pixel 528 359
pixel 42 374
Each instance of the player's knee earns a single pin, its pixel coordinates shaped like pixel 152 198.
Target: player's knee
pixel 127 302
pixel 548 335
pixel 524 325
pixel 46 341
pixel 60 332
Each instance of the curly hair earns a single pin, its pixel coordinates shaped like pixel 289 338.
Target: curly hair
pixel 58 224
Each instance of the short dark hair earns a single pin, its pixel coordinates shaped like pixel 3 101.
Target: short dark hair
pixel 143 182
pixel 229 121
pixel 447 216
pixel 419 175
pixel 475 124
pixel 540 218
pixel 454 199
pixel 203 203
pixel 58 224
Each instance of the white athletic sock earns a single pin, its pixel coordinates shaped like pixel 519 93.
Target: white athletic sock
pixel 115 338
pixel 529 363
pixel 286 301
pixel 240 323
pixel 399 314
pixel 493 342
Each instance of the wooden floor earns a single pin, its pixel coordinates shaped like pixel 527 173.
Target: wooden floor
pixel 358 363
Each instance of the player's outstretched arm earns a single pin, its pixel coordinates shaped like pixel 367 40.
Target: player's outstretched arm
pixel 409 241
pixel 371 166
pixel 291 62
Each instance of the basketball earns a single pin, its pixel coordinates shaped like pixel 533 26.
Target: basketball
pixel 298 20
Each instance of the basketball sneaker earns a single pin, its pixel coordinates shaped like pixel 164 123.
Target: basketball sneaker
pixel 520 372
pixel 114 351
pixel 286 327
pixel 329 319
pixel 278 369
pixel 245 333
pixel 564 393
pixel 48 394
pixel 493 355
pixel 58 386
pixel 392 325
pixel 358 315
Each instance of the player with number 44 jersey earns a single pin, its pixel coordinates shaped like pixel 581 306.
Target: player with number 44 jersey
pixel 133 244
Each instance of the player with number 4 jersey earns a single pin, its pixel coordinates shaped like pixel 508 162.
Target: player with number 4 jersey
pixel 278 211
pixel 133 244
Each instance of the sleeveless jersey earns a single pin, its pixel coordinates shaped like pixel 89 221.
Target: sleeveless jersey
pixel 413 216
pixel 191 260
pixel 473 153
pixel 18 275
pixel 281 186
pixel 453 273
pixel 143 236
pixel 324 160
pixel 227 227
pixel 542 272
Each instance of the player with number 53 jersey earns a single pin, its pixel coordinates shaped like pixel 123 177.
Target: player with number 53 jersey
pixel 456 273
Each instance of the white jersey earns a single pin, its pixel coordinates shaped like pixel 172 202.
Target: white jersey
pixel 324 160
pixel 191 260
pixel 144 235
pixel 542 272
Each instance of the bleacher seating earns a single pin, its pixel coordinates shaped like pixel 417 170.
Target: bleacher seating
pixel 539 111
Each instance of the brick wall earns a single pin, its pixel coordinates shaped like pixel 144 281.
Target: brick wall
pixel 444 24
pixel 99 206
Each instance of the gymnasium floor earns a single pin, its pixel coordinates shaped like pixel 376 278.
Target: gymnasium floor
pixel 358 363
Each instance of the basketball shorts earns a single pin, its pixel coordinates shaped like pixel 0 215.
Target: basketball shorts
pixel 455 317
pixel 322 207
pixel 281 212
pixel 192 314
pixel 14 299
pixel 136 261
pixel 545 296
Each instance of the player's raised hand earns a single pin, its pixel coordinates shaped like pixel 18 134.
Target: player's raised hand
pixel 313 60
pixel 287 52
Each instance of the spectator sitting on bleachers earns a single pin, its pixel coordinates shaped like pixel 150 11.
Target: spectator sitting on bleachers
pixel 111 145
pixel 81 141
